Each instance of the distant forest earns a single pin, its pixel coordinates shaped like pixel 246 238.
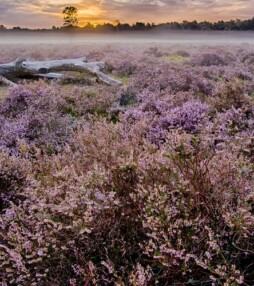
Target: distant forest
pixel 232 25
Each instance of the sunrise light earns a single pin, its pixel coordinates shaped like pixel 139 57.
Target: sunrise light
pixel 45 13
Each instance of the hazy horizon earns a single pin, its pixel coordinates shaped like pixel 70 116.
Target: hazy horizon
pixel 46 13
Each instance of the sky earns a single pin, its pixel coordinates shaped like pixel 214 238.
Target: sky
pixel 46 13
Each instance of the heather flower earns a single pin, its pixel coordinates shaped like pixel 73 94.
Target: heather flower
pixel 188 116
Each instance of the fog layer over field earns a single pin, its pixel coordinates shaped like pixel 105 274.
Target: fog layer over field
pixel 172 37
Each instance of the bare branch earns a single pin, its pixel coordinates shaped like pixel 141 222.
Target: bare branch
pixel 49 69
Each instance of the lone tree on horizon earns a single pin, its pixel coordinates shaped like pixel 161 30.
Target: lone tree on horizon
pixel 70 14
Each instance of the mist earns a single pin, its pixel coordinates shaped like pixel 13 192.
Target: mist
pixel 161 38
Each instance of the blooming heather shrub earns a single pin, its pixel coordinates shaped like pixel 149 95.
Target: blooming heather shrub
pixel 12 180
pixel 44 116
pixel 161 116
pixel 126 68
pixel 95 55
pixel 31 113
pixel 232 94
pixel 165 77
pixel 182 53
pixel 70 238
pixel 127 97
pixel 159 77
pixel 188 116
pixel 199 200
pixel 85 101
pixel 121 64
pixel 248 58
pixel 210 59
pixel 233 122
pixel 154 51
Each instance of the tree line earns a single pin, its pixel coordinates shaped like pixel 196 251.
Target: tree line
pixel 70 22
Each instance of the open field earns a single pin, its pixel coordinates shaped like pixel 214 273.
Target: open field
pixel 147 183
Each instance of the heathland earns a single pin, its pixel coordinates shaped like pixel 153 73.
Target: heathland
pixel 149 182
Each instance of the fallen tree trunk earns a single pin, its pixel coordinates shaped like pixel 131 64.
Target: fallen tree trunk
pixel 49 69
pixel 6 81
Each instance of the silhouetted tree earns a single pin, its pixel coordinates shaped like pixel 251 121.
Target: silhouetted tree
pixel 139 26
pixel 17 28
pixel 70 15
pixel 205 26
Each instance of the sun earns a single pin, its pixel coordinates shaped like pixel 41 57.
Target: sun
pixel 90 11
pixel 92 15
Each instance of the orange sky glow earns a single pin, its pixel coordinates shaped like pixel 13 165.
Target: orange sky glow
pixel 46 13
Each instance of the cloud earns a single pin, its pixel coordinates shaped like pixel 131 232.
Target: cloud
pixel 45 13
